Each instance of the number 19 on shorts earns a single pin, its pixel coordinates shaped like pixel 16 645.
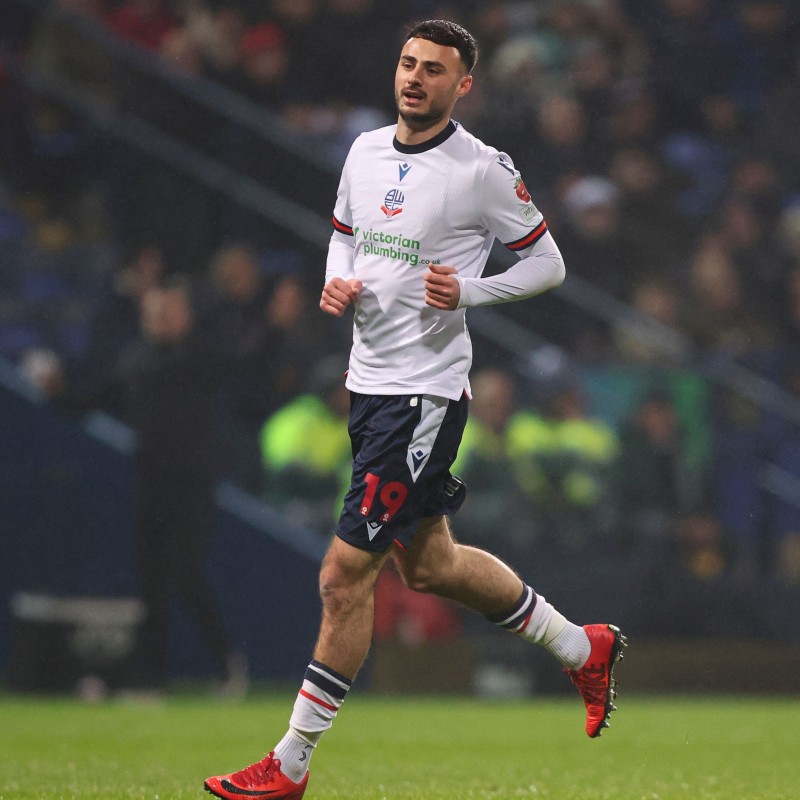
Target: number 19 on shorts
pixel 392 495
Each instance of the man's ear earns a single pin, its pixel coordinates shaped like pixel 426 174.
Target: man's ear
pixel 464 86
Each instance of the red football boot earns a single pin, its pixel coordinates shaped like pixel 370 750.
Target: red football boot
pixel 260 781
pixel 595 679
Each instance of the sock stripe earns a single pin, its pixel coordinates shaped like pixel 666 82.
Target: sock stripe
pixel 518 614
pixel 318 701
pixel 322 681
pixel 525 623
pixel 331 674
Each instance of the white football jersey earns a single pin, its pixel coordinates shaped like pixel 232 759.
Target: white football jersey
pixel 399 209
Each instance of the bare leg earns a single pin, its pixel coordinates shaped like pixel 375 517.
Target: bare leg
pixel 347 583
pixel 436 563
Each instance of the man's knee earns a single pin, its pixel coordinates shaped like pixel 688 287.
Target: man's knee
pixel 347 575
pixel 420 577
pixel 335 584
pixel 427 566
pixel 428 575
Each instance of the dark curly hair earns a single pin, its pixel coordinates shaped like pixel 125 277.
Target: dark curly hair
pixel 448 34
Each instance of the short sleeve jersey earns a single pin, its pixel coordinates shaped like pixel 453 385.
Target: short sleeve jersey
pixel 402 208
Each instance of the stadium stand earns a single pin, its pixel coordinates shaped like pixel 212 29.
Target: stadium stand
pixel 649 133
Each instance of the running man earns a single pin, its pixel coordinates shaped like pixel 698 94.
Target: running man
pixel 418 208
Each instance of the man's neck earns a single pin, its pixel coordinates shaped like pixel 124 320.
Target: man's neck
pixel 410 136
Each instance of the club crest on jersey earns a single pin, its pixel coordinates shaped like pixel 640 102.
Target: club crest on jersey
pixel 393 203
pixel 522 192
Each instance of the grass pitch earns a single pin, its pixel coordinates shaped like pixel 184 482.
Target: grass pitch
pixel 399 749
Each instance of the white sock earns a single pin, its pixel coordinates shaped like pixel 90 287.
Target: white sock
pixel 294 752
pixel 319 699
pixel 569 644
pixel 535 620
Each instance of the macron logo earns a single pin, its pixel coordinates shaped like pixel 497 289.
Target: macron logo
pixel 416 461
pixel 372 529
pixel 404 168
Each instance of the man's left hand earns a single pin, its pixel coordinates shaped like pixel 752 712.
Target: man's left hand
pixel 442 290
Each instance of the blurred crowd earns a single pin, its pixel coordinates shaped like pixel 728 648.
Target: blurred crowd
pixel 658 137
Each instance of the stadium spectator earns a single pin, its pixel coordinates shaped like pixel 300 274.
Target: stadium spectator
pixel 762 46
pixel 497 459
pixel 235 314
pixel 305 33
pixel 647 210
pixel 216 29
pixel 303 337
pixel 166 384
pixel 357 26
pixel 578 469
pixel 144 22
pixel 687 59
pixel 634 119
pixel 115 318
pixel 594 241
pixel 562 143
pixel 305 449
pixel 657 483
pixel 747 226
pixel 777 123
pixel 257 305
pixel 179 51
pixel 657 298
pixel 545 474
pixel 58 50
pixel 717 314
pixel 264 60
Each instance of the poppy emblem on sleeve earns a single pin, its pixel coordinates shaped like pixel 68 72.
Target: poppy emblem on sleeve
pixel 522 192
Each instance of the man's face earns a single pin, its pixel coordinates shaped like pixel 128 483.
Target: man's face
pixel 429 79
pixel 166 314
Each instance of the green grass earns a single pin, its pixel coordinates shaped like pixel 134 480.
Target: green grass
pixel 399 749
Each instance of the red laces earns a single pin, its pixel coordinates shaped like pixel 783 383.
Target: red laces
pixel 261 772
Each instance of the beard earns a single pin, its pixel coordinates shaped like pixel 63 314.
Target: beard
pixel 421 120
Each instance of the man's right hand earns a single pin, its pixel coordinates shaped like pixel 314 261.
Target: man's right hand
pixel 337 294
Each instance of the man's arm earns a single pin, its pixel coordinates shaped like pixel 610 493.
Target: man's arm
pixel 541 268
pixel 341 286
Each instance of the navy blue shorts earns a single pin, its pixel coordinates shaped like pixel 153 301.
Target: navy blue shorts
pixel 403 447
